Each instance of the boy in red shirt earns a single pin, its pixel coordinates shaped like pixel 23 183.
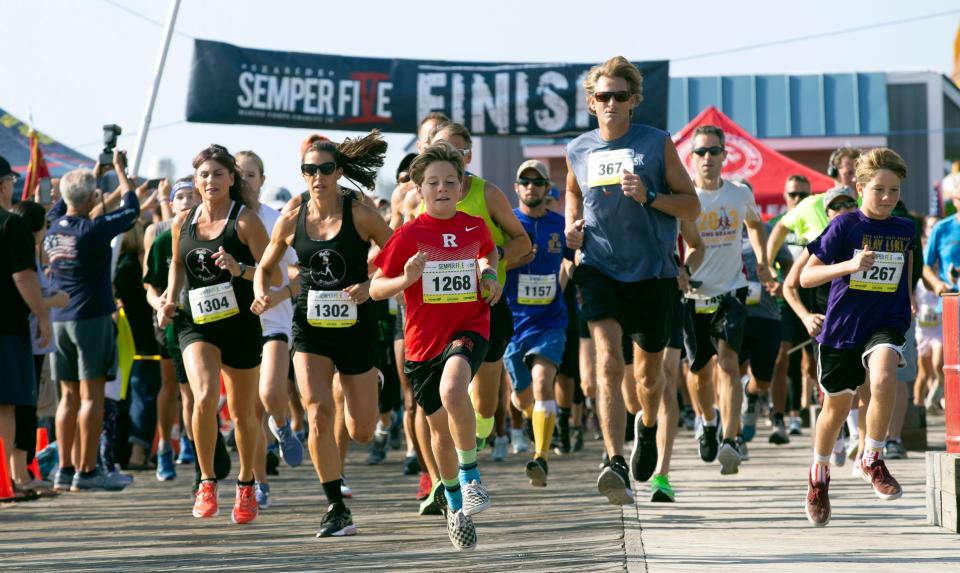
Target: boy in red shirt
pixel 445 263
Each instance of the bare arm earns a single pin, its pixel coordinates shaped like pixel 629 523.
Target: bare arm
pixel 695 246
pixel 682 202
pixel 28 285
pixel 757 234
pixel 815 273
pixel 573 210
pixel 264 274
pixel 791 293
pixel 932 278
pixel 148 236
pixel 175 278
pixel 777 235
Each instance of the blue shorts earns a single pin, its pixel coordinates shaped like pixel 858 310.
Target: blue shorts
pixel 547 345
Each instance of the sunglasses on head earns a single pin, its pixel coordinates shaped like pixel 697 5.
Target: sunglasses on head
pixel 537 181
pixel 797 195
pixel 311 168
pixel 604 97
pixel 838 205
pixel 712 150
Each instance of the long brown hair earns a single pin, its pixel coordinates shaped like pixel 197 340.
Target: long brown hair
pixel 360 158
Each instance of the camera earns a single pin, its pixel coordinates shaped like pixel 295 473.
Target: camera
pixel 110 133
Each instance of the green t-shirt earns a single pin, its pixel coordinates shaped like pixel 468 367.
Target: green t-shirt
pixel 158 272
pixel 807 220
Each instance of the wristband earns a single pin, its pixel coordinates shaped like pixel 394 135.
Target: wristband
pixel 488 274
pixel 651 197
pixel 500 252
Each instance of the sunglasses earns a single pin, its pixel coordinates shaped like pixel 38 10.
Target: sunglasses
pixel 538 181
pixel 798 195
pixel 604 97
pixel 712 150
pixel 311 169
pixel 839 205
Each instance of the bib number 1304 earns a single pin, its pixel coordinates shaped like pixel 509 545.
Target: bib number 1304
pixel 213 303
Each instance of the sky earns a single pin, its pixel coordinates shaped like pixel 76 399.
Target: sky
pixel 77 65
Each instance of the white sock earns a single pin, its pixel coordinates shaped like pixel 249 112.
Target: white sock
pixel 853 419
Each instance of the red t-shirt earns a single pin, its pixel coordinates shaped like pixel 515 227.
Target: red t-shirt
pixel 446 299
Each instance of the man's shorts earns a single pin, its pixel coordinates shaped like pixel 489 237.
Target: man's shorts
pixel 425 376
pixel 501 330
pixel 676 329
pixel 644 309
pixel 842 371
pixel 86 349
pixel 761 344
pixel 626 343
pixel 792 329
pixel 704 331
pixel 928 337
pixel 570 361
pixel 518 359
pixel 19 385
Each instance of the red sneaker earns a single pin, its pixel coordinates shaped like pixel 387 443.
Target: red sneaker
pixel 205 504
pixel 883 483
pixel 818 502
pixel 426 485
pixel 245 506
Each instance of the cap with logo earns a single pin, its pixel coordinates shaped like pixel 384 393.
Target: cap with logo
pixel 839 191
pixel 537 166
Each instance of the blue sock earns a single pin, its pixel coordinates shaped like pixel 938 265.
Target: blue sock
pixel 451 489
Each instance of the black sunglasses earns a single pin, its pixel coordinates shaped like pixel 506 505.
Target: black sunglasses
pixel 798 195
pixel 311 168
pixel 604 97
pixel 712 150
pixel 838 205
pixel 538 181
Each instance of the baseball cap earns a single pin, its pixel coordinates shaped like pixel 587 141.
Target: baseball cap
pixel 5 168
pixel 275 197
pixel 537 166
pixel 840 191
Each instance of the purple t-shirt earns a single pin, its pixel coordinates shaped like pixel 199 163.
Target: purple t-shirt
pixel 865 302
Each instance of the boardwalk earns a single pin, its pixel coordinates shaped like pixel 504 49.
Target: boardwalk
pixel 750 522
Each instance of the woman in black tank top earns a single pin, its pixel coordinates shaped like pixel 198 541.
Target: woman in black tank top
pixel 334 326
pixel 215 247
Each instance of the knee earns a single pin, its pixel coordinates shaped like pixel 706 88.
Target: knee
pixel 360 432
pixel 612 368
pixel 320 418
pixel 441 440
pixel 452 393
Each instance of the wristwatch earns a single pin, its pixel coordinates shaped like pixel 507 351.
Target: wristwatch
pixel 651 197
pixel 243 269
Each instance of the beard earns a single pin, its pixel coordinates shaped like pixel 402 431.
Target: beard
pixel 534 202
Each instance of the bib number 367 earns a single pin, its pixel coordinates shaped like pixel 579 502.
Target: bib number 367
pixel 213 303
pixel 606 167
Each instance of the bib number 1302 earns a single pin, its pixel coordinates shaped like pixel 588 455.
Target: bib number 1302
pixel 331 309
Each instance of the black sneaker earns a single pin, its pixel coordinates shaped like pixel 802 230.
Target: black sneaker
pixel 337 522
pixel 537 472
pixel 643 458
pixel 709 444
pixel 411 466
pixel 273 462
pixel 577 439
pixel 221 459
pixel 778 436
pixel 460 528
pixel 614 482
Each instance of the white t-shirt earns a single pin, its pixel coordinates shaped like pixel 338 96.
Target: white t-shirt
pixel 279 319
pixel 722 215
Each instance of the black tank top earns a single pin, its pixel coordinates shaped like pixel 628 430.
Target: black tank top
pixel 201 268
pixel 334 264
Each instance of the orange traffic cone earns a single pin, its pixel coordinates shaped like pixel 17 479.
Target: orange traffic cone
pixel 42 442
pixel 6 486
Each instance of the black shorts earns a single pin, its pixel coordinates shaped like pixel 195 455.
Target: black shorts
pixel 351 356
pixel 570 362
pixel 626 343
pixel 390 397
pixel 642 308
pixel 792 329
pixel 501 330
pixel 842 371
pixel 179 370
pixel 425 376
pixel 702 332
pixel 676 329
pixel 761 344
pixel 237 337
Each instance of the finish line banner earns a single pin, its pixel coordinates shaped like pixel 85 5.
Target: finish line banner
pixel 230 84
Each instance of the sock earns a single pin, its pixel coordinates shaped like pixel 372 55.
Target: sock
pixel 68 470
pixel 332 490
pixel 528 412
pixel 544 421
pixel 163 446
pixel 88 474
pixel 873 451
pixel 451 489
pixel 711 423
pixel 468 466
pixel 820 470
pixel 484 426
pixel 563 420
pixel 852 419
pixel 245 483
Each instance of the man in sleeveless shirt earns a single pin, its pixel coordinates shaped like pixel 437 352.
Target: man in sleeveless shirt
pixel 626 188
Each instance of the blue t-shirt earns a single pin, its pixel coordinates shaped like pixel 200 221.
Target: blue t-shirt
pixel 78 249
pixel 529 287
pixel 622 238
pixel 865 302
pixel 943 248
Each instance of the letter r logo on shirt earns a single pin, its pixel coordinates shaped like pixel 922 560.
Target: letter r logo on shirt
pixel 449 240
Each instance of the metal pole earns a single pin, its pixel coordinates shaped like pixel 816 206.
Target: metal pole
pixel 152 98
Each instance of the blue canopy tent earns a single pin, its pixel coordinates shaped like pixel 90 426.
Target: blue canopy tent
pixel 15 148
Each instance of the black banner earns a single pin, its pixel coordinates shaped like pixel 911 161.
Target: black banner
pixel 230 84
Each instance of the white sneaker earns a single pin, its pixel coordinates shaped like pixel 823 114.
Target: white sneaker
pixel 519 440
pixel 839 456
pixel 795 426
pixel 500 449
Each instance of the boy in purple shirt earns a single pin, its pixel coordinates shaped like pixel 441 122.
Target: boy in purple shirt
pixel 865 256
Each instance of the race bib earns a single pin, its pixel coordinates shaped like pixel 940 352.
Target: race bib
pixel 331 309
pixel 536 289
pixel 213 303
pixel 754 291
pixel 883 276
pixel 707 305
pixel 606 167
pixel 446 282
pixel 928 316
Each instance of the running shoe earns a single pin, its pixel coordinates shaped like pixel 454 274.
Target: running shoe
pixel 426 485
pixel 231 440
pixel 63 479
pixel 186 455
pixel 432 504
pixel 519 440
pixel 273 460
pixel 894 450
pixel 839 455
pixel 262 491
pixel 577 438
pixel 853 449
pixel 614 482
pixel 97 480
pixel 709 444
pixel 475 498
pixel 749 417
pixel 500 445
pixel 778 436
pixel 697 427
pixel 460 528
pixel 244 505
pixel 884 485
pixel 337 522
pixel 118 476
pixel 742 448
pixel 660 489
pixel 396 433
pixel 166 468
pixel 377 451
pixel 291 450
pixel 205 502
pixel 794 426
pixel 643 458
pixel 604 461
pixel 221 458
pixel 345 490
pixel 536 471
pixel 818 502
pixel 857 470
pixel 729 457
pixel 688 418
pixel 47 460
pixel 562 437
pixel 411 465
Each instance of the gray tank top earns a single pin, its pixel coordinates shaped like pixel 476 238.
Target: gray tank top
pixel 622 238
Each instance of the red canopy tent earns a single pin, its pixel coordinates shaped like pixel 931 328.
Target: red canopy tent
pixel 748 158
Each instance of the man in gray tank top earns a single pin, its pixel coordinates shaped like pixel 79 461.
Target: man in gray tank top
pixel 626 188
